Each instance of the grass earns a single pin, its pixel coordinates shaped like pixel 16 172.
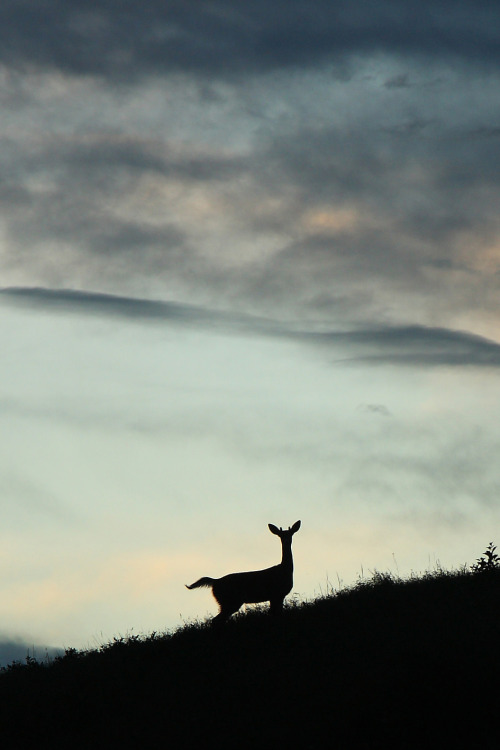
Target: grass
pixel 388 662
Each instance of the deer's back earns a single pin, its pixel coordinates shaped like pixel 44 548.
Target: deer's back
pixel 254 586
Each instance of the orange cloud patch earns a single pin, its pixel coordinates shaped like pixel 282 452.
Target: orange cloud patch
pixel 125 578
pixel 331 220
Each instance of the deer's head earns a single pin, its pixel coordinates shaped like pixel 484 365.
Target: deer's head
pixel 284 533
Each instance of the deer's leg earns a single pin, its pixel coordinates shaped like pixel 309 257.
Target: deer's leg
pixel 226 610
pixel 218 620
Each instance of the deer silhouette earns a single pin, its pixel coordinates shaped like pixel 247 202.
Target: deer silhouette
pixel 269 585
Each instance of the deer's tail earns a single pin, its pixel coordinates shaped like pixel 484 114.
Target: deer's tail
pixel 207 582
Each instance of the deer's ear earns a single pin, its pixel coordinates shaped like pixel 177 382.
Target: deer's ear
pixel 295 527
pixel 273 529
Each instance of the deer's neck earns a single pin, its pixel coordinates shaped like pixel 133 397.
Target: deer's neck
pixel 286 555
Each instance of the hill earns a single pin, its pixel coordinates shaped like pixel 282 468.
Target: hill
pixel 386 663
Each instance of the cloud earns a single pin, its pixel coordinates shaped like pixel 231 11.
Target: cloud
pixel 25 502
pixel 123 39
pixel 70 300
pixel 401 80
pixel 416 346
pixel 17 650
pixel 378 409
pixel 262 177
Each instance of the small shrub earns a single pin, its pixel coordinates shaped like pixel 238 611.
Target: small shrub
pixel 489 560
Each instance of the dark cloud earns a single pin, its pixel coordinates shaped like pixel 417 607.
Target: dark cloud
pixel 239 193
pixel 84 180
pixel 416 200
pixel 68 300
pixel 77 214
pixel 116 154
pixel 400 171
pixel 88 302
pixel 16 650
pixel 402 80
pixel 419 201
pixel 378 409
pixel 122 38
pixel 415 346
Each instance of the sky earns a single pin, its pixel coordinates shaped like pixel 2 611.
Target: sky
pixel 249 274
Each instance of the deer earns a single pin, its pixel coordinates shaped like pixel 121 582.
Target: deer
pixel 268 585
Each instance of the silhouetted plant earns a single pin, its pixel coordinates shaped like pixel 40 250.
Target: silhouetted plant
pixel 489 560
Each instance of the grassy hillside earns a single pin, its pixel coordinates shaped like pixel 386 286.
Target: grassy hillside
pixel 387 663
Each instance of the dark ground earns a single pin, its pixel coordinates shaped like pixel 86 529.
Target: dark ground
pixel 388 663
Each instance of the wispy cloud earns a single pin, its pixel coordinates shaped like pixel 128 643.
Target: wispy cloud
pixel 416 346
pixel 421 346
